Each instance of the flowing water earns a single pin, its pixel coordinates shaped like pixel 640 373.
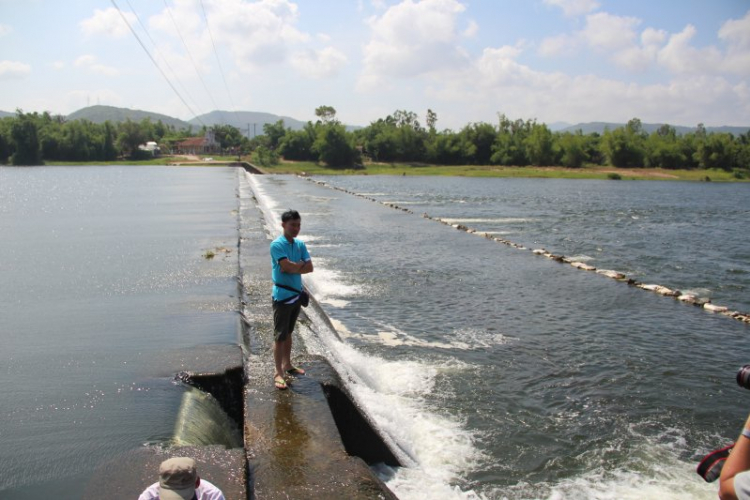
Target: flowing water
pixel 497 373
pixel 490 371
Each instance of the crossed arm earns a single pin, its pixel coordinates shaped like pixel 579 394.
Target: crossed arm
pixel 301 267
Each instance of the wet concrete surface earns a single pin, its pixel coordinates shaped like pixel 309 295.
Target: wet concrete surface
pixel 293 445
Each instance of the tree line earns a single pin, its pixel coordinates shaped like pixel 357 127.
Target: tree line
pixel 400 137
pixel 31 138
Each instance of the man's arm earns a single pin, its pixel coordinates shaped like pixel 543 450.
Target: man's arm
pixel 302 267
pixel 738 461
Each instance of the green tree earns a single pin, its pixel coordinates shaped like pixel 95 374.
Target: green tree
pixel 24 133
pixel 334 147
pixel 431 121
pixel 327 114
pixel 227 136
pixel 130 135
pixel 265 157
pixel 572 149
pixel 716 151
pixel 477 140
pixel 6 142
pixel 274 132
pixel 509 147
pixel 297 145
pixel 625 146
pixel 539 145
pixel 663 149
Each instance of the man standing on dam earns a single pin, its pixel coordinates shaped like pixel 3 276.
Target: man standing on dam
pixel 289 261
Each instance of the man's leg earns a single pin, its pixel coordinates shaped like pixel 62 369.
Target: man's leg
pixel 281 353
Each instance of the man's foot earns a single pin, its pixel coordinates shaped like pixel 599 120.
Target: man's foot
pixel 295 371
pixel 279 382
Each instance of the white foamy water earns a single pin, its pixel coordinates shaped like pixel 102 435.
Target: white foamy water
pixel 475 220
pixel 434 449
pixel 449 392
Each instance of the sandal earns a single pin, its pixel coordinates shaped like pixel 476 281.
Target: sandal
pixel 280 383
pixel 295 371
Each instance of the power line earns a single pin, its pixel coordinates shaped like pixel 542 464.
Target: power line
pixel 166 61
pixel 195 66
pixel 155 63
pixel 218 61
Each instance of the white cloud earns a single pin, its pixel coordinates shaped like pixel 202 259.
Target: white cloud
pixel 607 32
pixel 258 34
pixel 89 62
pixel 107 23
pixel 13 70
pixel 678 56
pixel 498 82
pixel 559 45
pixel 412 39
pixel 85 60
pixel 318 64
pixel 573 8
pixel 5 29
pixel 736 34
pixel 58 65
pixel 471 30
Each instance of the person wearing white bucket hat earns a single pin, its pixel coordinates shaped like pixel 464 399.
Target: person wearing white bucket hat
pixel 179 480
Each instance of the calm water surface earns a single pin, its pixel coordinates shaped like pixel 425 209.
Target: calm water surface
pixel 102 283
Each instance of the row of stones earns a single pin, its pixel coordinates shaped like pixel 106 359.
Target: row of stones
pixel 616 275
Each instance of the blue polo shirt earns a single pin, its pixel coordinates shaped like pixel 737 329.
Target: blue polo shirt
pixel 281 249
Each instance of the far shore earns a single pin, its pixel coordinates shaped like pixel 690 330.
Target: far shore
pixel 408 169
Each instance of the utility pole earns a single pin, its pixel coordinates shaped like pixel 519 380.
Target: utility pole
pixel 248 131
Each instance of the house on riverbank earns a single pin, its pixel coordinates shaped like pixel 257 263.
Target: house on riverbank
pixel 199 145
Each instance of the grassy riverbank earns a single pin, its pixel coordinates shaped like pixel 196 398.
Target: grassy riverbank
pixel 588 172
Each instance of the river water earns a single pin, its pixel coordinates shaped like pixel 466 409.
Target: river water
pixel 492 372
pixel 103 289
pixel 497 373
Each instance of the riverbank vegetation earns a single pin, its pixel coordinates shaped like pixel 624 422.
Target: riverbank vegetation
pixel 400 144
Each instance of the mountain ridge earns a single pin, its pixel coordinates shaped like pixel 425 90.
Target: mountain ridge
pixel 251 122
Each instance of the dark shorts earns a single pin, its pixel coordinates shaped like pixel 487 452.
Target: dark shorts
pixel 284 319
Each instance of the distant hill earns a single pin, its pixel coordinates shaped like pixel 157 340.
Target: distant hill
pixel 4 114
pixel 598 127
pixel 251 121
pixel 100 114
pixel 555 126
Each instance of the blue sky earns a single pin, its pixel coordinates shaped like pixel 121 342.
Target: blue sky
pixel 681 62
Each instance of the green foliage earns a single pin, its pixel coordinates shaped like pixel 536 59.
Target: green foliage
pixel 327 114
pixel 539 148
pixel 399 137
pixel 265 157
pixel 229 137
pixel 614 176
pixel 298 145
pixel 334 147
pixel 274 132
pixel 572 149
pixel 131 134
pixel 24 133
pixel 625 147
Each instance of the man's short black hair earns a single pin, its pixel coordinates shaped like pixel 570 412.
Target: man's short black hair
pixel 290 215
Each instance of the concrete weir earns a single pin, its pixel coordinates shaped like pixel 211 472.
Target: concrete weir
pixel 308 442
